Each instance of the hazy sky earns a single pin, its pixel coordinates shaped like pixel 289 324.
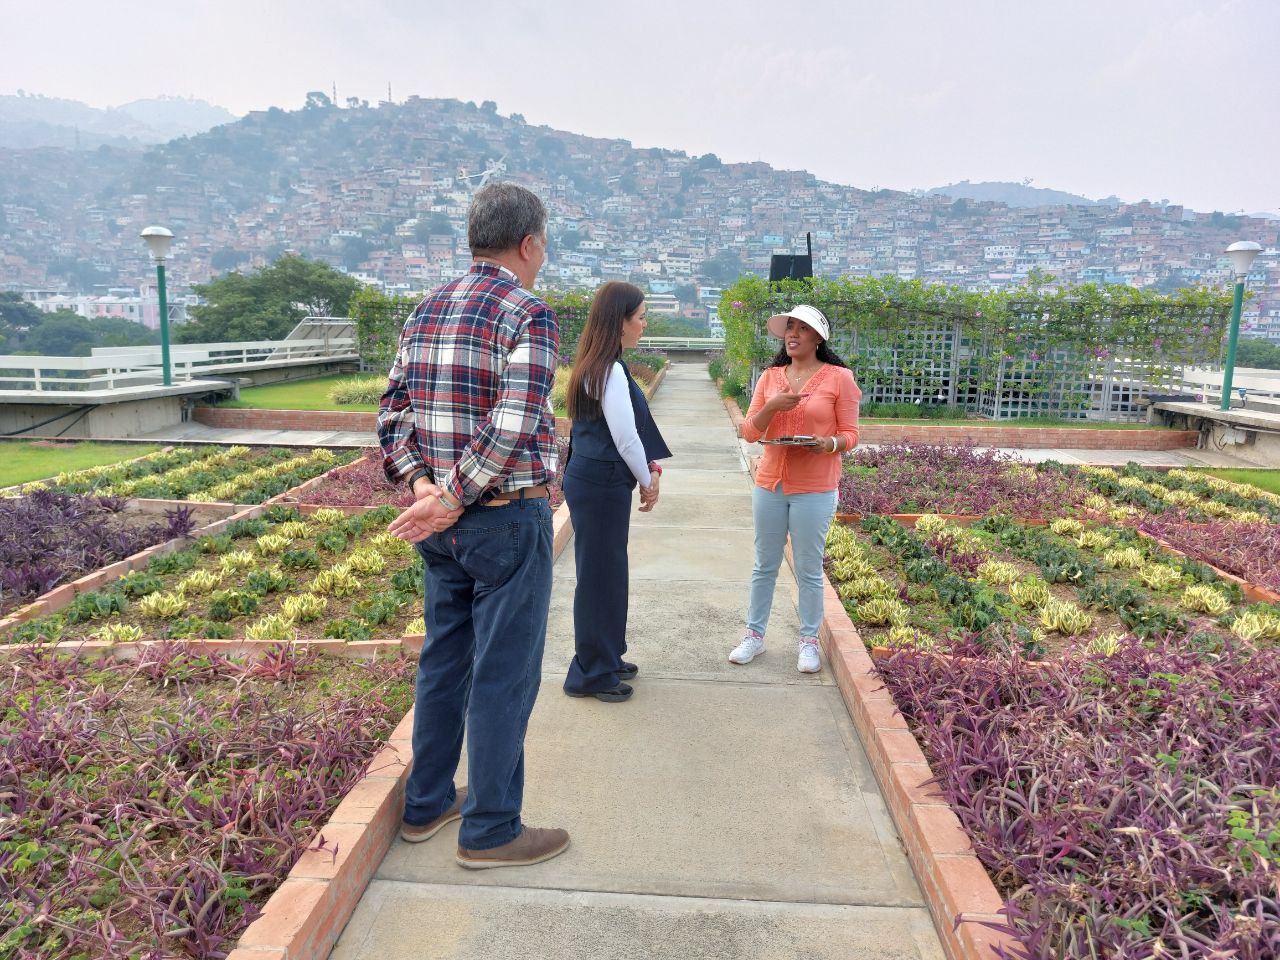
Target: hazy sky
pixel 1176 99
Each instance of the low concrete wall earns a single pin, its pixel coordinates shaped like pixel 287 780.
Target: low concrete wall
pixel 307 371
pixel 238 419
pixel 127 419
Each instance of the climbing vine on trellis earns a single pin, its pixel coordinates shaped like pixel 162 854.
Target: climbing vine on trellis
pixel 379 318
pixel 1031 349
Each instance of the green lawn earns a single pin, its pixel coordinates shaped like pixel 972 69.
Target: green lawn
pixel 297 395
pixel 1260 478
pixel 25 460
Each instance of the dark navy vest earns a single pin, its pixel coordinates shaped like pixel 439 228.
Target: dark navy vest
pixel 591 438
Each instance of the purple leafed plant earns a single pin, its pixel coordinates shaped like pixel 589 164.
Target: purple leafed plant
pixel 148 809
pixel 1128 806
pixel 1250 551
pixel 48 538
pixel 920 478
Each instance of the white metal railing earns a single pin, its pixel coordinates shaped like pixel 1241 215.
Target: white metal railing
pixel 681 343
pixel 112 367
pixel 1258 384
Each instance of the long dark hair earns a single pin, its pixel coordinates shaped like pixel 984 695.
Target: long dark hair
pixel 599 346
pixel 824 353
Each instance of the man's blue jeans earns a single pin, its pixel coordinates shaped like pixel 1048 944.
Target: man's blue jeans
pixel 487 585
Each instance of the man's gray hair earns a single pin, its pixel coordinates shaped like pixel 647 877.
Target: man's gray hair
pixel 502 215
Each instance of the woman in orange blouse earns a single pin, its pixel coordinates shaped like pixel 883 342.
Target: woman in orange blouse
pixel 806 392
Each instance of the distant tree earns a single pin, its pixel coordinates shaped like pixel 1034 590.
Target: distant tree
pixel 62 334
pixel 550 146
pixel 724 268
pixel 709 161
pixel 16 313
pixel 227 258
pixel 121 332
pixel 317 100
pixel 353 103
pixel 518 118
pixel 1223 220
pixel 488 107
pixel 686 293
pixel 266 304
pixel 435 225
pixel 1256 352
pixel 355 250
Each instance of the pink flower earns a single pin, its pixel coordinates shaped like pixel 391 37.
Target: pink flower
pixel 1157 343
pixel 737 304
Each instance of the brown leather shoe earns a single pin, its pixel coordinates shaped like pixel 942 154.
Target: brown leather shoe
pixel 534 845
pixel 416 833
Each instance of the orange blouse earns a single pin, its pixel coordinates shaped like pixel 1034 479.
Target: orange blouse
pixel 829 410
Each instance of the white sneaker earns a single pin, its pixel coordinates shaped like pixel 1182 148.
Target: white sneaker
pixel 752 646
pixel 808 661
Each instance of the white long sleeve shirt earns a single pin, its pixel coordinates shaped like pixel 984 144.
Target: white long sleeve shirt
pixel 621 419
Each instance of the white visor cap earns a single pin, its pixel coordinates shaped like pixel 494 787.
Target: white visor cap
pixel 809 316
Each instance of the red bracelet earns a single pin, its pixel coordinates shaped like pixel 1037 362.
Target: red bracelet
pixel 655 467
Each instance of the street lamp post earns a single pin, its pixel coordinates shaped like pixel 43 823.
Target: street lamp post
pixel 1241 253
pixel 158 240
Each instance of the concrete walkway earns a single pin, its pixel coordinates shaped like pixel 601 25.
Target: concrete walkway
pixel 722 812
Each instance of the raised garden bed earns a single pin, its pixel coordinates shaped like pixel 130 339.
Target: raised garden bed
pixel 365 482
pixel 280 577
pixel 150 808
pixel 238 474
pixel 911 478
pixel 1124 805
pixel 997 587
pixel 50 538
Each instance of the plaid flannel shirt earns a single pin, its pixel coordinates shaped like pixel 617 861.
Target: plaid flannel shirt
pixel 468 395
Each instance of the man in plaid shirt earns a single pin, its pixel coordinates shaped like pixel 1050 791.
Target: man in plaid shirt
pixel 466 421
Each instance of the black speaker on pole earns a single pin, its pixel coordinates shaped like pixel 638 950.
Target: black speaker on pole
pixel 785 266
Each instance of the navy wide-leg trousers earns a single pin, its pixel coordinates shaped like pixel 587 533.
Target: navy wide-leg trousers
pixel 599 494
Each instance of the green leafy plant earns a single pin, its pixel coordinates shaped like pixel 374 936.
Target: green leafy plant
pixel 225 605
pixel 1062 616
pixel 265 581
pixel 1204 599
pixel 198 582
pixel 337 582
pixel 1030 592
pixel 304 607
pixel 271 543
pixel 118 633
pixel 95 606
pixel 162 606
pixel 306 559
pixel 347 628
pixel 273 628
pixel 881 611
pixel 236 562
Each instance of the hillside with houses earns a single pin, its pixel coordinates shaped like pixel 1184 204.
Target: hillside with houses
pixel 381 192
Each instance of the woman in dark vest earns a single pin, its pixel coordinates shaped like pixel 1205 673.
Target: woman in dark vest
pixel 615 446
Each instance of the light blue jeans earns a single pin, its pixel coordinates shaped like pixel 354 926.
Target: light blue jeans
pixel 806 516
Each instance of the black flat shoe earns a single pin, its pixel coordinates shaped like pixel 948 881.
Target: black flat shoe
pixel 619 693
pixel 628 671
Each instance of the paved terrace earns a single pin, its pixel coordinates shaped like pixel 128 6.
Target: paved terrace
pixel 722 812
